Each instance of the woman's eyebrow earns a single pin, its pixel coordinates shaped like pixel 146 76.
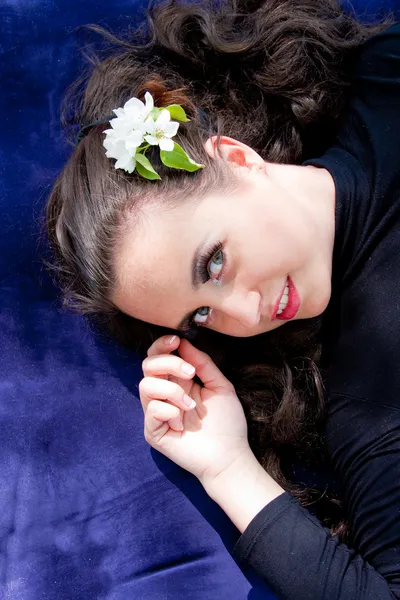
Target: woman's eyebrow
pixel 197 279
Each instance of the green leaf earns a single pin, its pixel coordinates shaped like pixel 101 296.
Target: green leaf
pixel 178 159
pixel 177 112
pixel 145 168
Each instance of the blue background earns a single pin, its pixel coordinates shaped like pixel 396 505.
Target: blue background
pixel 88 510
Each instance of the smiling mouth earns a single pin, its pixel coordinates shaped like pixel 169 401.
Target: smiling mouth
pixel 288 304
pixel 283 302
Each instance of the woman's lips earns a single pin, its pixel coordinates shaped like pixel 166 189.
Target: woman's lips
pixel 293 303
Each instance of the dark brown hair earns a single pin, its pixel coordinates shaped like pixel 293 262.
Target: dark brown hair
pixel 273 74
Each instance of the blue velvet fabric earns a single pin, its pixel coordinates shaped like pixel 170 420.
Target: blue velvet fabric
pixel 88 510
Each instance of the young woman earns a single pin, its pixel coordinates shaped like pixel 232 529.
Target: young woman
pixel 269 257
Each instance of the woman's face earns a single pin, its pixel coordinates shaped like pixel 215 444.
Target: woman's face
pixel 242 264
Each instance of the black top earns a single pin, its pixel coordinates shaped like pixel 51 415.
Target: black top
pixel 284 542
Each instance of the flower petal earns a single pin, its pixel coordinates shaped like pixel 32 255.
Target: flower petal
pixel 115 149
pixel 110 150
pixel 108 143
pixel 121 124
pixel 134 104
pixel 135 138
pixel 149 103
pixel 127 163
pixel 131 148
pixel 171 129
pixel 140 127
pixel 150 126
pixel 151 139
pixel 166 144
pixel 134 116
pixel 163 118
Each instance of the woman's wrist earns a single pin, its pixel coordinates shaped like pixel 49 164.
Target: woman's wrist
pixel 243 489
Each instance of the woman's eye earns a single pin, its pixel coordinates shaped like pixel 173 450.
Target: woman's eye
pixel 202 315
pixel 215 265
pixel 214 269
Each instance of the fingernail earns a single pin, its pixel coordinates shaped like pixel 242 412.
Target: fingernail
pixel 170 339
pixel 188 401
pixel 187 369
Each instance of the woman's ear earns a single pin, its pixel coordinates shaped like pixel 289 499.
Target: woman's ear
pixel 234 152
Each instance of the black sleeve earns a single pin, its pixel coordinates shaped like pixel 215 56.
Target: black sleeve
pixel 284 542
pixel 299 558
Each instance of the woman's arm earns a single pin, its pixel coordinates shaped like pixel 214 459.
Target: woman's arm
pixel 290 548
pixel 243 490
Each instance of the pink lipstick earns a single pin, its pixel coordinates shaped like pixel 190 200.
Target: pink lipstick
pixel 288 303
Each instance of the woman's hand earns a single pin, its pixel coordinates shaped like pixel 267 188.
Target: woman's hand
pixel 207 439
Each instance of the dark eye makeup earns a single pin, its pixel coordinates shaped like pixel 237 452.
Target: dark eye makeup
pixel 202 266
pixel 203 275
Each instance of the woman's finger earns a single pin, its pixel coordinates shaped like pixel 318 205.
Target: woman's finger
pixel 176 423
pixel 159 418
pixel 151 388
pixel 164 345
pixel 206 370
pixel 167 364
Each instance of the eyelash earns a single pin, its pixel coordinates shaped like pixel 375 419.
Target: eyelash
pixel 204 275
pixel 202 266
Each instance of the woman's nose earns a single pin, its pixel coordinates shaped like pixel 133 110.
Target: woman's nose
pixel 244 307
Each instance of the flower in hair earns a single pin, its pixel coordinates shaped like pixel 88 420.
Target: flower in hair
pixel 138 126
pixel 161 131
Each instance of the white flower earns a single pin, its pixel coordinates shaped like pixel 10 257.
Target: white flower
pixel 161 131
pixel 133 114
pixel 133 124
pixel 127 132
pixel 123 148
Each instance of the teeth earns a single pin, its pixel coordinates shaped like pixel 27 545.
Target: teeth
pixel 284 300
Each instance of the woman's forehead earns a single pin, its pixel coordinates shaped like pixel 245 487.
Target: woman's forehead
pixel 153 266
pixel 146 258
